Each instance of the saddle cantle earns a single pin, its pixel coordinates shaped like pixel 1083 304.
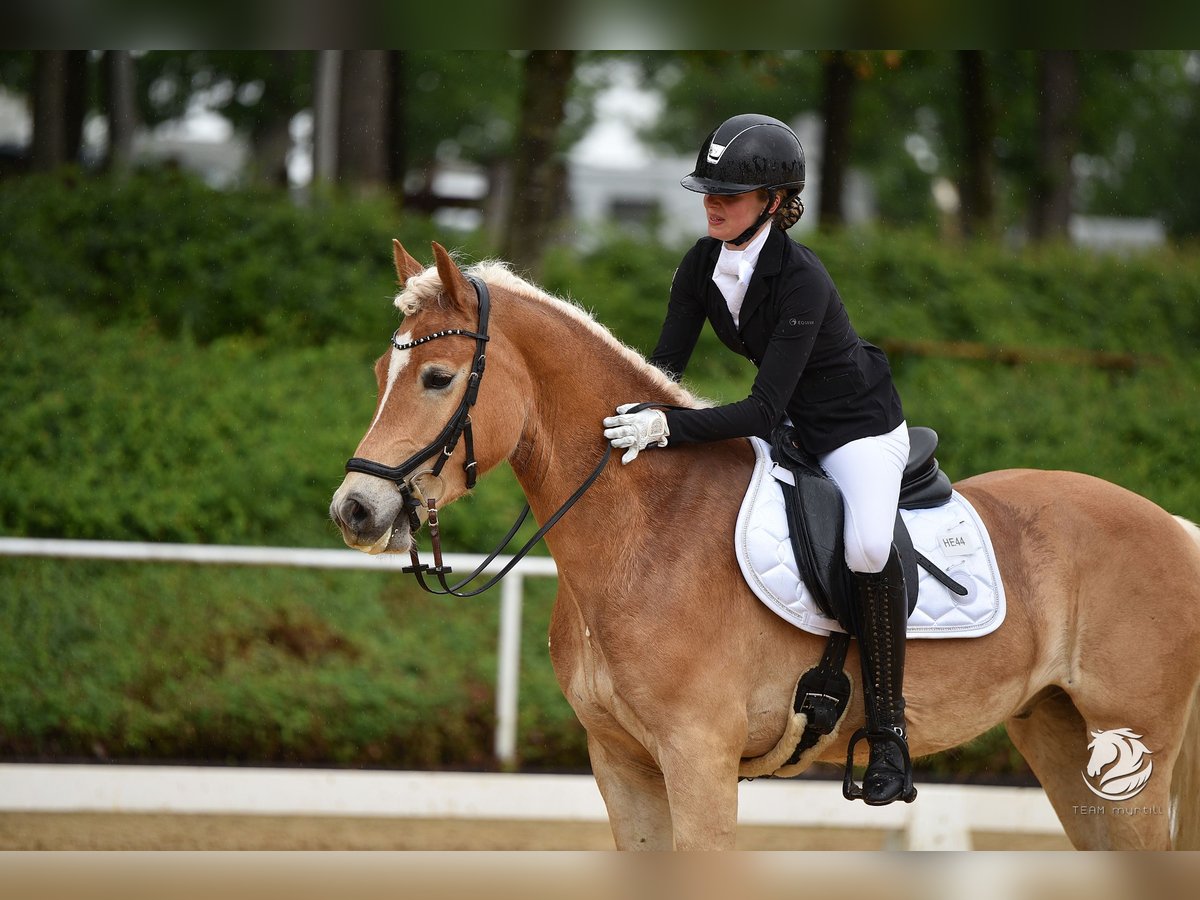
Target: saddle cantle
pixel 924 485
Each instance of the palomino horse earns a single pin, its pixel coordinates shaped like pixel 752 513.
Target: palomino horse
pixel 674 668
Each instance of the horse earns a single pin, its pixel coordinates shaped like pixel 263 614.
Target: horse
pixel 680 675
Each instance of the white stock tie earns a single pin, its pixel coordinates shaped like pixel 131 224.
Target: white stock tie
pixel 731 276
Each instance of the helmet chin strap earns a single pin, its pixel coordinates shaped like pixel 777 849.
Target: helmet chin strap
pixel 758 223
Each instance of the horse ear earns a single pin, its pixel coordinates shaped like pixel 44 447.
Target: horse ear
pixel 406 266
pixel 454 286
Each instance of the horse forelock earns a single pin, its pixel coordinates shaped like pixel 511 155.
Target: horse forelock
pixel 422 290
pixel 419 291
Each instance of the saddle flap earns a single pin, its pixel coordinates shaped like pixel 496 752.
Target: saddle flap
pixel 816 522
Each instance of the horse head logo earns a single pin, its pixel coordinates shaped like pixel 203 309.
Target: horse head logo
pixel 1119 764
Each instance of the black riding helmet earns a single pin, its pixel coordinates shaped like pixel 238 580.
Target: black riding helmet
pixel 748 153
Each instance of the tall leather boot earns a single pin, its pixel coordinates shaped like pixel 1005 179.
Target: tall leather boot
pixel 879 615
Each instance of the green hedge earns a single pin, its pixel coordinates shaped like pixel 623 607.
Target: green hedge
pixel 160 248
pixel 180 365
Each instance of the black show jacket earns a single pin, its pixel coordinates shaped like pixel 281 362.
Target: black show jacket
pixel 812 365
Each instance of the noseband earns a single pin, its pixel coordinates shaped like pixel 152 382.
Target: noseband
pixel 459 426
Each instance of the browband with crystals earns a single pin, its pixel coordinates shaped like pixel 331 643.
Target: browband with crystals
pixel 430 337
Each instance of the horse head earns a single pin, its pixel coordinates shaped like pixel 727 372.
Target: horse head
pixel 422 386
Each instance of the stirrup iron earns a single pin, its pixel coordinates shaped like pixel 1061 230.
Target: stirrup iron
pixel 853 791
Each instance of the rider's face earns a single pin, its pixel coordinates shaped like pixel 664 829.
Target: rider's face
pixel 731 214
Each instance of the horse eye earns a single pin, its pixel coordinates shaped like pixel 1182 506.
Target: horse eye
pixel 437 380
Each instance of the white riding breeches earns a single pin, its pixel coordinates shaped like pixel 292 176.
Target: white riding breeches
pixel 868 473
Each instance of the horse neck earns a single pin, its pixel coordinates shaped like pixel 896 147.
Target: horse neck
pixel 577 377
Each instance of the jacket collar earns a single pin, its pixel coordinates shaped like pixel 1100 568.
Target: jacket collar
pixel 770 261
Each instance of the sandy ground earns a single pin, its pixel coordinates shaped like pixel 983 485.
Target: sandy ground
pixel 100 831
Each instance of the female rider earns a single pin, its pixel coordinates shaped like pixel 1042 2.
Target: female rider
pixel 770 299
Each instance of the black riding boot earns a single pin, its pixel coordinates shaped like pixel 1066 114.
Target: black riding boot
pixel 879 612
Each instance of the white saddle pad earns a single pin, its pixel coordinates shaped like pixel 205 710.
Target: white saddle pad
pixel 951 536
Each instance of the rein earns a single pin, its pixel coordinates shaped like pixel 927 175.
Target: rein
pixel 459 426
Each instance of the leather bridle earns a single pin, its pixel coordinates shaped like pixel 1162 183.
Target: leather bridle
pixel 459 425
pixel 407 473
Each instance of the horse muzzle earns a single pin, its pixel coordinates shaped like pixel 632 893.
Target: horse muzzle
pixel 373 517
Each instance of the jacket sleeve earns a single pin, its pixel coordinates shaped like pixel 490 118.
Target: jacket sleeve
pixel 802 311
pixel 684 321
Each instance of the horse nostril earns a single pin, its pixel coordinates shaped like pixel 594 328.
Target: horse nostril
pixel 355 514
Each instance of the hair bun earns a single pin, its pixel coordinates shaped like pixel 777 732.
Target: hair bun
pixel 790 212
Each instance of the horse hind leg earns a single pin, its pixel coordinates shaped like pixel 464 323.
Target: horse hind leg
pixel 1052 733
pixel 1049 733
pixel 1185 785
pixel 1185 779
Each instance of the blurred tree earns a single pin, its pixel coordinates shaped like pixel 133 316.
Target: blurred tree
pixel 59 102
pixel 539 179
pixel 285 90
pixel 918 116
pixel 1139 128
pixel 459 107
pixel 259 92
pixel 977 185
pixel 1058 138
pixel 364 132
pixel 702 88
pixel 120 104
pixel 838 82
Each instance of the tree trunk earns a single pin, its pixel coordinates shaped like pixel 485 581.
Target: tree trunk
pixel 363 131
pixel 397 122
pixel 537 172
pixel 977 192
pixel 1057 137
pixel 837 109
pixel 59 93
pixel 120 98
pixel 327 81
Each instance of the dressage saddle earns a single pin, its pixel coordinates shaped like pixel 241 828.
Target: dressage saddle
pixel 816 516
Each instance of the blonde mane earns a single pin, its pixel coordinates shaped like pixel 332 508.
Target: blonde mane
pixel 425 288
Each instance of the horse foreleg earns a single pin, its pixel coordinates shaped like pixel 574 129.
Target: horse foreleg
pixel 636 797
pixel 702 785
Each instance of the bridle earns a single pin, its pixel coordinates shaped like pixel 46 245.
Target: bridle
pixel 459 425
pixel 405 475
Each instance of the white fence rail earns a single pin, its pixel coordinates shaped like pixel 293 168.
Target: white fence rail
pixel 512 590
pixel 943 817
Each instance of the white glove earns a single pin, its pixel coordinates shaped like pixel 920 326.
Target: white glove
pixel 636 431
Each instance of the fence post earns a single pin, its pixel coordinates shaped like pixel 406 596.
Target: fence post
pixel 508 668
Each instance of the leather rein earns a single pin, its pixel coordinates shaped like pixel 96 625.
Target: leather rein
pixel 407 473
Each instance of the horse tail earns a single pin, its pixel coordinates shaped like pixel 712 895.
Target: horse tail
pixel 1185 781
